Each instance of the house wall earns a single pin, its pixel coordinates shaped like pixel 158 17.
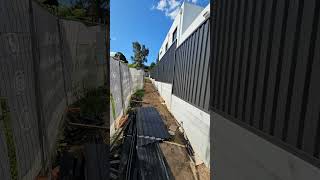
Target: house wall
pixel 188 13
pixel 168 39
pixel 195 24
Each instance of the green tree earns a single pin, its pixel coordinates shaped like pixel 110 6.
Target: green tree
pixel 140 54
pixel 120 56
pixel 152 65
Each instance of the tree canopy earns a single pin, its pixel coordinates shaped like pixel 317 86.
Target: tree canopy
pixel 120 56
pixel 152 65
pixel 140 54
pixel 85 10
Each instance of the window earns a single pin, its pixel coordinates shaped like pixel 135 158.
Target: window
pixel 166 46
pixel 174 35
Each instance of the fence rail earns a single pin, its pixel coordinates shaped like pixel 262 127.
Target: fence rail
pixel 265 70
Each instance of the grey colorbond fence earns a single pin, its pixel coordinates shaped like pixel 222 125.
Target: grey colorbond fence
pixel 265 70
pixel 42 59
pixel 191 77
pixel 165 68
pixel 187 68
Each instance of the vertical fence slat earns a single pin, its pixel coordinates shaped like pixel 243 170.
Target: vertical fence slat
pixel 194 61
pixel 189 82
pixel 274 49
pixel 257 69
pixel 232 46
pixel 188 74
pixel 197 66
pixel 311 137
pixel 224 56
pixel 244 59
pixel 267 37
pixel 296 106
pixel 284 73
pixel 201 62
pixel 206 73
pixel 237 59
pixel 218 52
pixel 252 60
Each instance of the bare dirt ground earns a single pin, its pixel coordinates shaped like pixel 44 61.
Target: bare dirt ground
pixel 176 156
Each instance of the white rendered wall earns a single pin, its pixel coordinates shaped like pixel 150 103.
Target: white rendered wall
pixel 188 13
pixel 195 122
pixel 195 24
pixel 242 155
pixel 168 38
pixel 165 93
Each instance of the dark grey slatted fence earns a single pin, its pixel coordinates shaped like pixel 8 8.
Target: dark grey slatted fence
pixel 266 70
pixel 187 68
pixel 163 72
pixel 191 72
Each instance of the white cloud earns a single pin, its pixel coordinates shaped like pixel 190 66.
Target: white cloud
pixel 173 13
pixel 173 4
pixel 162 4
pixel 170 7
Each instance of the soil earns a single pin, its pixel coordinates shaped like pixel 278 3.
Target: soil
pixel 176 156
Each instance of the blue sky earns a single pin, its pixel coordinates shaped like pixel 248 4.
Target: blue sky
pixel 145 21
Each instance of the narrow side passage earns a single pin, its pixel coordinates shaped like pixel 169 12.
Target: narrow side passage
pixel 175 151
pixel 150 144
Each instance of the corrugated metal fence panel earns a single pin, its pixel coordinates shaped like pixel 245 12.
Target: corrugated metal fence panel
pixel 80 51
pixel 82 47
pixel 70 31
pixel 84 56
pixel 50 73
pixel 191 71
pixel 67 57
pixel 265 69
pixel 17 76
pixel 126 83
pixel 101 56
pixel 137 79
pixel 115 86
pixel 17 82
